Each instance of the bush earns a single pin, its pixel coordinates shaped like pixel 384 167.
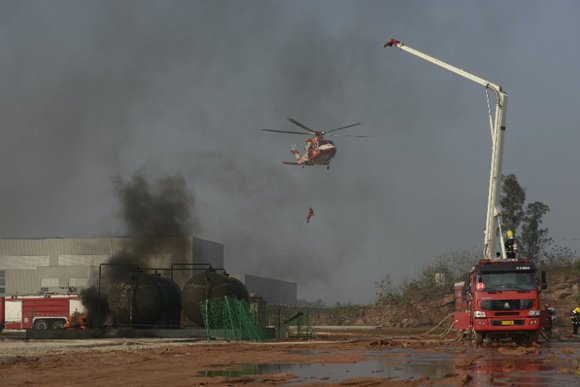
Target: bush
pixel 437 278
pixel 561 258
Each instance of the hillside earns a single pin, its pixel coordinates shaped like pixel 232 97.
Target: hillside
pixel 428 307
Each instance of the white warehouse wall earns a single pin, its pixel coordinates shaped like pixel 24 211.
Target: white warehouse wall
pixel 28 265
pixel 272 290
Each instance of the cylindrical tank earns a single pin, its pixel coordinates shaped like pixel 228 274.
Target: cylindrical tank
pixel 207 286
pixel 145 299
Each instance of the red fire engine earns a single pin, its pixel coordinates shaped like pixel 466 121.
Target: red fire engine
pixel 500 296
pixel 41 311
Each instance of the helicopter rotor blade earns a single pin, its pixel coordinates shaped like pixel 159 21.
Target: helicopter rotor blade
pixel 302 126
pixel 284 131
pixel 344 127
pixel 345 135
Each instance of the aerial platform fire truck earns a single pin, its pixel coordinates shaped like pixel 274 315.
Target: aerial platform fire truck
pixel 39 311
pixel 500 296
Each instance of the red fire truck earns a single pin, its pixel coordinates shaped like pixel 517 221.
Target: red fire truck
pixel 40 311
pixel 500 296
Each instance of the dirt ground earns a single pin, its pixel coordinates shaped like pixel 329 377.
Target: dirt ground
pixel 146 363
pixel 157 362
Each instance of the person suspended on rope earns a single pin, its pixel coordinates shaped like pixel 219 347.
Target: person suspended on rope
pixel 511 245
pixel 310 214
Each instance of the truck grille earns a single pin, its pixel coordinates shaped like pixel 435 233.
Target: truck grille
pixel 499 314
pixel 506 304
pixel 498 323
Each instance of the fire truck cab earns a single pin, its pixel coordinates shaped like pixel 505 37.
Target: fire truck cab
pixel 500 298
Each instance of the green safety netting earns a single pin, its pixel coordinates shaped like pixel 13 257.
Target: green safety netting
pixel 229 318
pixel 232 318
pixel 297 323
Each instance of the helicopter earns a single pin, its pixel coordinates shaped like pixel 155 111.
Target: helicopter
pixel 318 150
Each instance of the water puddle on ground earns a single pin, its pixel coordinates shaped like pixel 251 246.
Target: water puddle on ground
pixel 486 367
pixel 309 373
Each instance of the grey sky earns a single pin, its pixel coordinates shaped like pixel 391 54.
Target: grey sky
pixel 92 90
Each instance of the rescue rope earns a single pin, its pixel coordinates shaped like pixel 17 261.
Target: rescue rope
pixel 489 112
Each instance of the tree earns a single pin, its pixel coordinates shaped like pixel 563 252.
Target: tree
pixel 512 202
pixel 386 291
pixel 534 239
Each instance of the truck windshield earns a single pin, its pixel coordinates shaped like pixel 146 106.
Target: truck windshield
pixel 503 281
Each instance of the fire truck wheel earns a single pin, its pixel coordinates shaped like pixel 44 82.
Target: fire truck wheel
pixel 58 325
pixel 478 338
pixel 41 324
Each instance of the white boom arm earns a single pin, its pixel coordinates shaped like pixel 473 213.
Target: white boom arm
pixel 497 139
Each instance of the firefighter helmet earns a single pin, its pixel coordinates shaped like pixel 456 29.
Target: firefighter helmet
pixel 547 305
pixel 510 234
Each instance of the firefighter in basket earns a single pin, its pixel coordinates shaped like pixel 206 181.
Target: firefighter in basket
pixel 511 245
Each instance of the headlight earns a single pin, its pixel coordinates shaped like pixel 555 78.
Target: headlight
pixel 478 314
pixel 534 312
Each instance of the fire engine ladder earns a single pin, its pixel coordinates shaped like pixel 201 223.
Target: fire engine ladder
pixel 497 137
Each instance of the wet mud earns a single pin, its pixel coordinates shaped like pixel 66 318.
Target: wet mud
pixel 381 362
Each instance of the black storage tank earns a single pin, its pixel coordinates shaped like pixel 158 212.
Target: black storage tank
pixel 145 299
pixel 207 286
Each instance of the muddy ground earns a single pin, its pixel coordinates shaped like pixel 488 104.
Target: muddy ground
pixel 367 361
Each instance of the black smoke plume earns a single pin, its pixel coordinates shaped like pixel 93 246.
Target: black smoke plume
pixel 153 216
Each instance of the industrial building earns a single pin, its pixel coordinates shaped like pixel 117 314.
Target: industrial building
pixel 32 266
pixel 274 291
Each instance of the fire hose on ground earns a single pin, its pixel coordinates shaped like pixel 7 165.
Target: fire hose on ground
pixel 438 337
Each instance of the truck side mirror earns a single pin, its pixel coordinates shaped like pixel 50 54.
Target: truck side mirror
pixel 544 284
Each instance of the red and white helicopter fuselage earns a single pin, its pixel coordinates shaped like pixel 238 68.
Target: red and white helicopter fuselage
pixel 317 151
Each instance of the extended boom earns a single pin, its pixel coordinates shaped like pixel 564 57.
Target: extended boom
pixel 497 127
